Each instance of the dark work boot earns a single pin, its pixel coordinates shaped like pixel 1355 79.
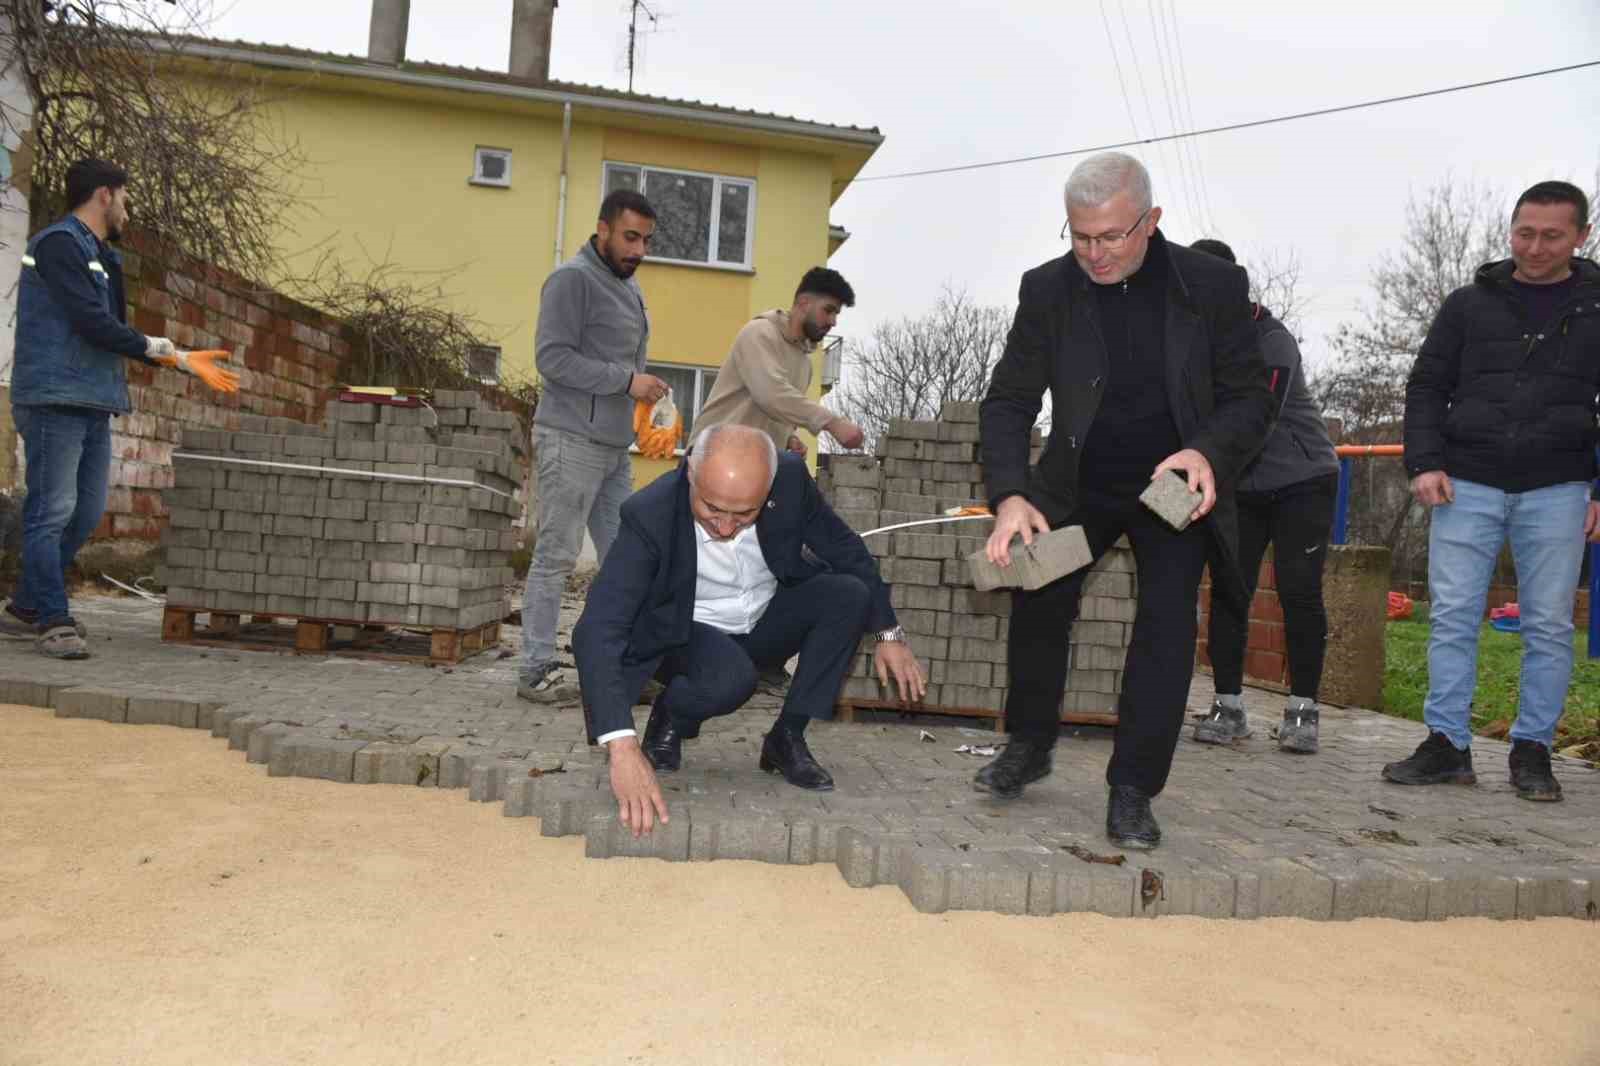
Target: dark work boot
pixel 1531 775
pixel 784 751
pixel 1023 762
pixel 1435 762
pixel 663 740
pixel 1129 822
pixel 1223 725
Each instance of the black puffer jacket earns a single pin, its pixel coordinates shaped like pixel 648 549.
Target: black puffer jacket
pixel 1495 399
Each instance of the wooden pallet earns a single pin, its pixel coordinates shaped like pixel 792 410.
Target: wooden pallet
pixel 317 636
pixel 847 712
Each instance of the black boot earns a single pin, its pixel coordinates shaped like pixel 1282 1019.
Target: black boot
pixel 1129 822
pixel 1435 762
pixel 1023 762
pixel 663 740
pixel 784 751
pixel 1531 775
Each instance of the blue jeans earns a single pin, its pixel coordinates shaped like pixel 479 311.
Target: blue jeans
pixel 580 484
pixel 1545 528
pixel 68 453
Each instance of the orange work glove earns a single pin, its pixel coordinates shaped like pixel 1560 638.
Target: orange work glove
pixel 203 366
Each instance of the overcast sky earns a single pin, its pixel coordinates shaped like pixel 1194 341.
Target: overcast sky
pixel 962 81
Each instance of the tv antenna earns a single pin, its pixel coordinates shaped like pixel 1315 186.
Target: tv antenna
pixel 634 8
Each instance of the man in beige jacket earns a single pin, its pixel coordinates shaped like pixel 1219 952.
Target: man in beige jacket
pixel 763 383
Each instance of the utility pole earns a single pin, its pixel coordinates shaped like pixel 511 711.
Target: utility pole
pixel 633 32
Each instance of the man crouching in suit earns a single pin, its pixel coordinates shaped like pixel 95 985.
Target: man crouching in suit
pixel 728 565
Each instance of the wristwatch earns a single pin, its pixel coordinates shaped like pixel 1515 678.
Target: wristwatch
pixel 892 635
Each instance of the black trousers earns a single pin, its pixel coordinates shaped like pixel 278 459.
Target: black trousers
pixel 1296 520
pixel 822 619
pixel 1160 662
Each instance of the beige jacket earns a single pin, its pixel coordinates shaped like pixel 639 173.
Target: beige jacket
pixel 763 383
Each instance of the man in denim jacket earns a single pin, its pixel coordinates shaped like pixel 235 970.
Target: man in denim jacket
pixel 67 381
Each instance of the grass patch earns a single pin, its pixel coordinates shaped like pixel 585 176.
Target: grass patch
pixel 1405 680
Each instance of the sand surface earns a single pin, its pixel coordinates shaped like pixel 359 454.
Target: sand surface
pixel 163 902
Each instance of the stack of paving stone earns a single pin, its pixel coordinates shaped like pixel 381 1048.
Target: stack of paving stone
pixel 385 515
pixel 923 469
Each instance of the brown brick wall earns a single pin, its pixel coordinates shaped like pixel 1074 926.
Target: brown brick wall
pixel 287 354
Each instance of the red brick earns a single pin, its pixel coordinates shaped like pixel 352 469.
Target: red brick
pixel 1267 576
pixel 1265 608
pixel 1264 666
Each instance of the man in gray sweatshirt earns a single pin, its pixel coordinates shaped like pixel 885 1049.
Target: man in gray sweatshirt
pixel 590 350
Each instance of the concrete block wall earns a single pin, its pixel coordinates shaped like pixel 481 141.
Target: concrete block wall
pixel 959 634
pixel 427 545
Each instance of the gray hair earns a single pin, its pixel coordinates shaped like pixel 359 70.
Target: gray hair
pixel 708 440
pixel 1100 177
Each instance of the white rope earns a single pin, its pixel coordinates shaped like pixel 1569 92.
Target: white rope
pixel 129 588
pixel 342 470
pixel 927 522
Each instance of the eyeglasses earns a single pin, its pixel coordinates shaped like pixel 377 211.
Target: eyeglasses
pixel 1111 242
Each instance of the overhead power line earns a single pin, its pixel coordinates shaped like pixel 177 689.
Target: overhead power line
pixel 1231 127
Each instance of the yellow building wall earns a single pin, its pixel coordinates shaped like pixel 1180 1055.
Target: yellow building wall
pixel 386 181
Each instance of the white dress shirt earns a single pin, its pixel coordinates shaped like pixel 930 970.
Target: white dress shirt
pixel 732 587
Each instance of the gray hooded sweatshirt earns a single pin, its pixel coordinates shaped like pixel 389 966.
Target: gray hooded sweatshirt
pixel 592 337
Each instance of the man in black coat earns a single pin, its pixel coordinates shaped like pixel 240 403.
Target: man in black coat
pixel 1152 364
pixel 1500 434
pixel 729 565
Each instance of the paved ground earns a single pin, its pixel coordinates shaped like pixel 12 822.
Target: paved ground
pixel 1250 831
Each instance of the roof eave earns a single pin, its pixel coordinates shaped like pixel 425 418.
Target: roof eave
pixel 853 138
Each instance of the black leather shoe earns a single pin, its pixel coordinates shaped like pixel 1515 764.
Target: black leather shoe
pixel 1129 822
pixel 663 741
pixel 1022 762
pixel 786 753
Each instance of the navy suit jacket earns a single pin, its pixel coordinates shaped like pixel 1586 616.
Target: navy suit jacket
pixel 641 606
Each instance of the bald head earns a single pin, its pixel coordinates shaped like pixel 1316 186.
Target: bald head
pixel 731 469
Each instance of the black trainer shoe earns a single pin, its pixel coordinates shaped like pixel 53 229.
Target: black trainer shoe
pixel 1531 775
pixel 1435 762
pixel 1298 733
pixel 1022 762
pixel 1129 822
pixel 1224 726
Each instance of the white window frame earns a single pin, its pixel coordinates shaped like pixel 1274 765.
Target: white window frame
pixel 499 355
pixel 478 154
pixel 700 373
pixel 747 266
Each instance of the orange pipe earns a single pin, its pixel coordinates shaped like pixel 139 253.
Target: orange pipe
pixel 1370 449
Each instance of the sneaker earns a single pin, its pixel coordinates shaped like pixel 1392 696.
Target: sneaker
pixel 62 642
pixel 547 684
pixel 1435 762
pixel 1223 726
pixel 1298 733
pixel 14 623
pixel 1129 822
pixel 1530 772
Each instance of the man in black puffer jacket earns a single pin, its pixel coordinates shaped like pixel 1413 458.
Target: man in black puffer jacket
pixel 1500 439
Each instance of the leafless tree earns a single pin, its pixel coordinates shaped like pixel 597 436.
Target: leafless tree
pixel 911 367
pixel 403 329
pixel 1275 285
pixel 209 175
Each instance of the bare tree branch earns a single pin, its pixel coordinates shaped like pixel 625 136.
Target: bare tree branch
pixel 208 175
pixel 911 367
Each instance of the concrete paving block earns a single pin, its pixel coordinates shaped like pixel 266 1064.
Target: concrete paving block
pixel 1292 890
pixel 1049 558
pixel 385 763
pixel 1468 893
pixel 1172 501
pixel 959 411
pixel 222 720
pixel 144 710
pixel 759 839
pixel 605 837
pixel 89 703
pixel 262 739
pixel 856 855
pixel 563 808
pixel 23 692
pixel 1094 888
pixel 1369 888
pixel 324 758
pixel 1175 887
pixel 1554 894
pixel 814 838
pixel 937 880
